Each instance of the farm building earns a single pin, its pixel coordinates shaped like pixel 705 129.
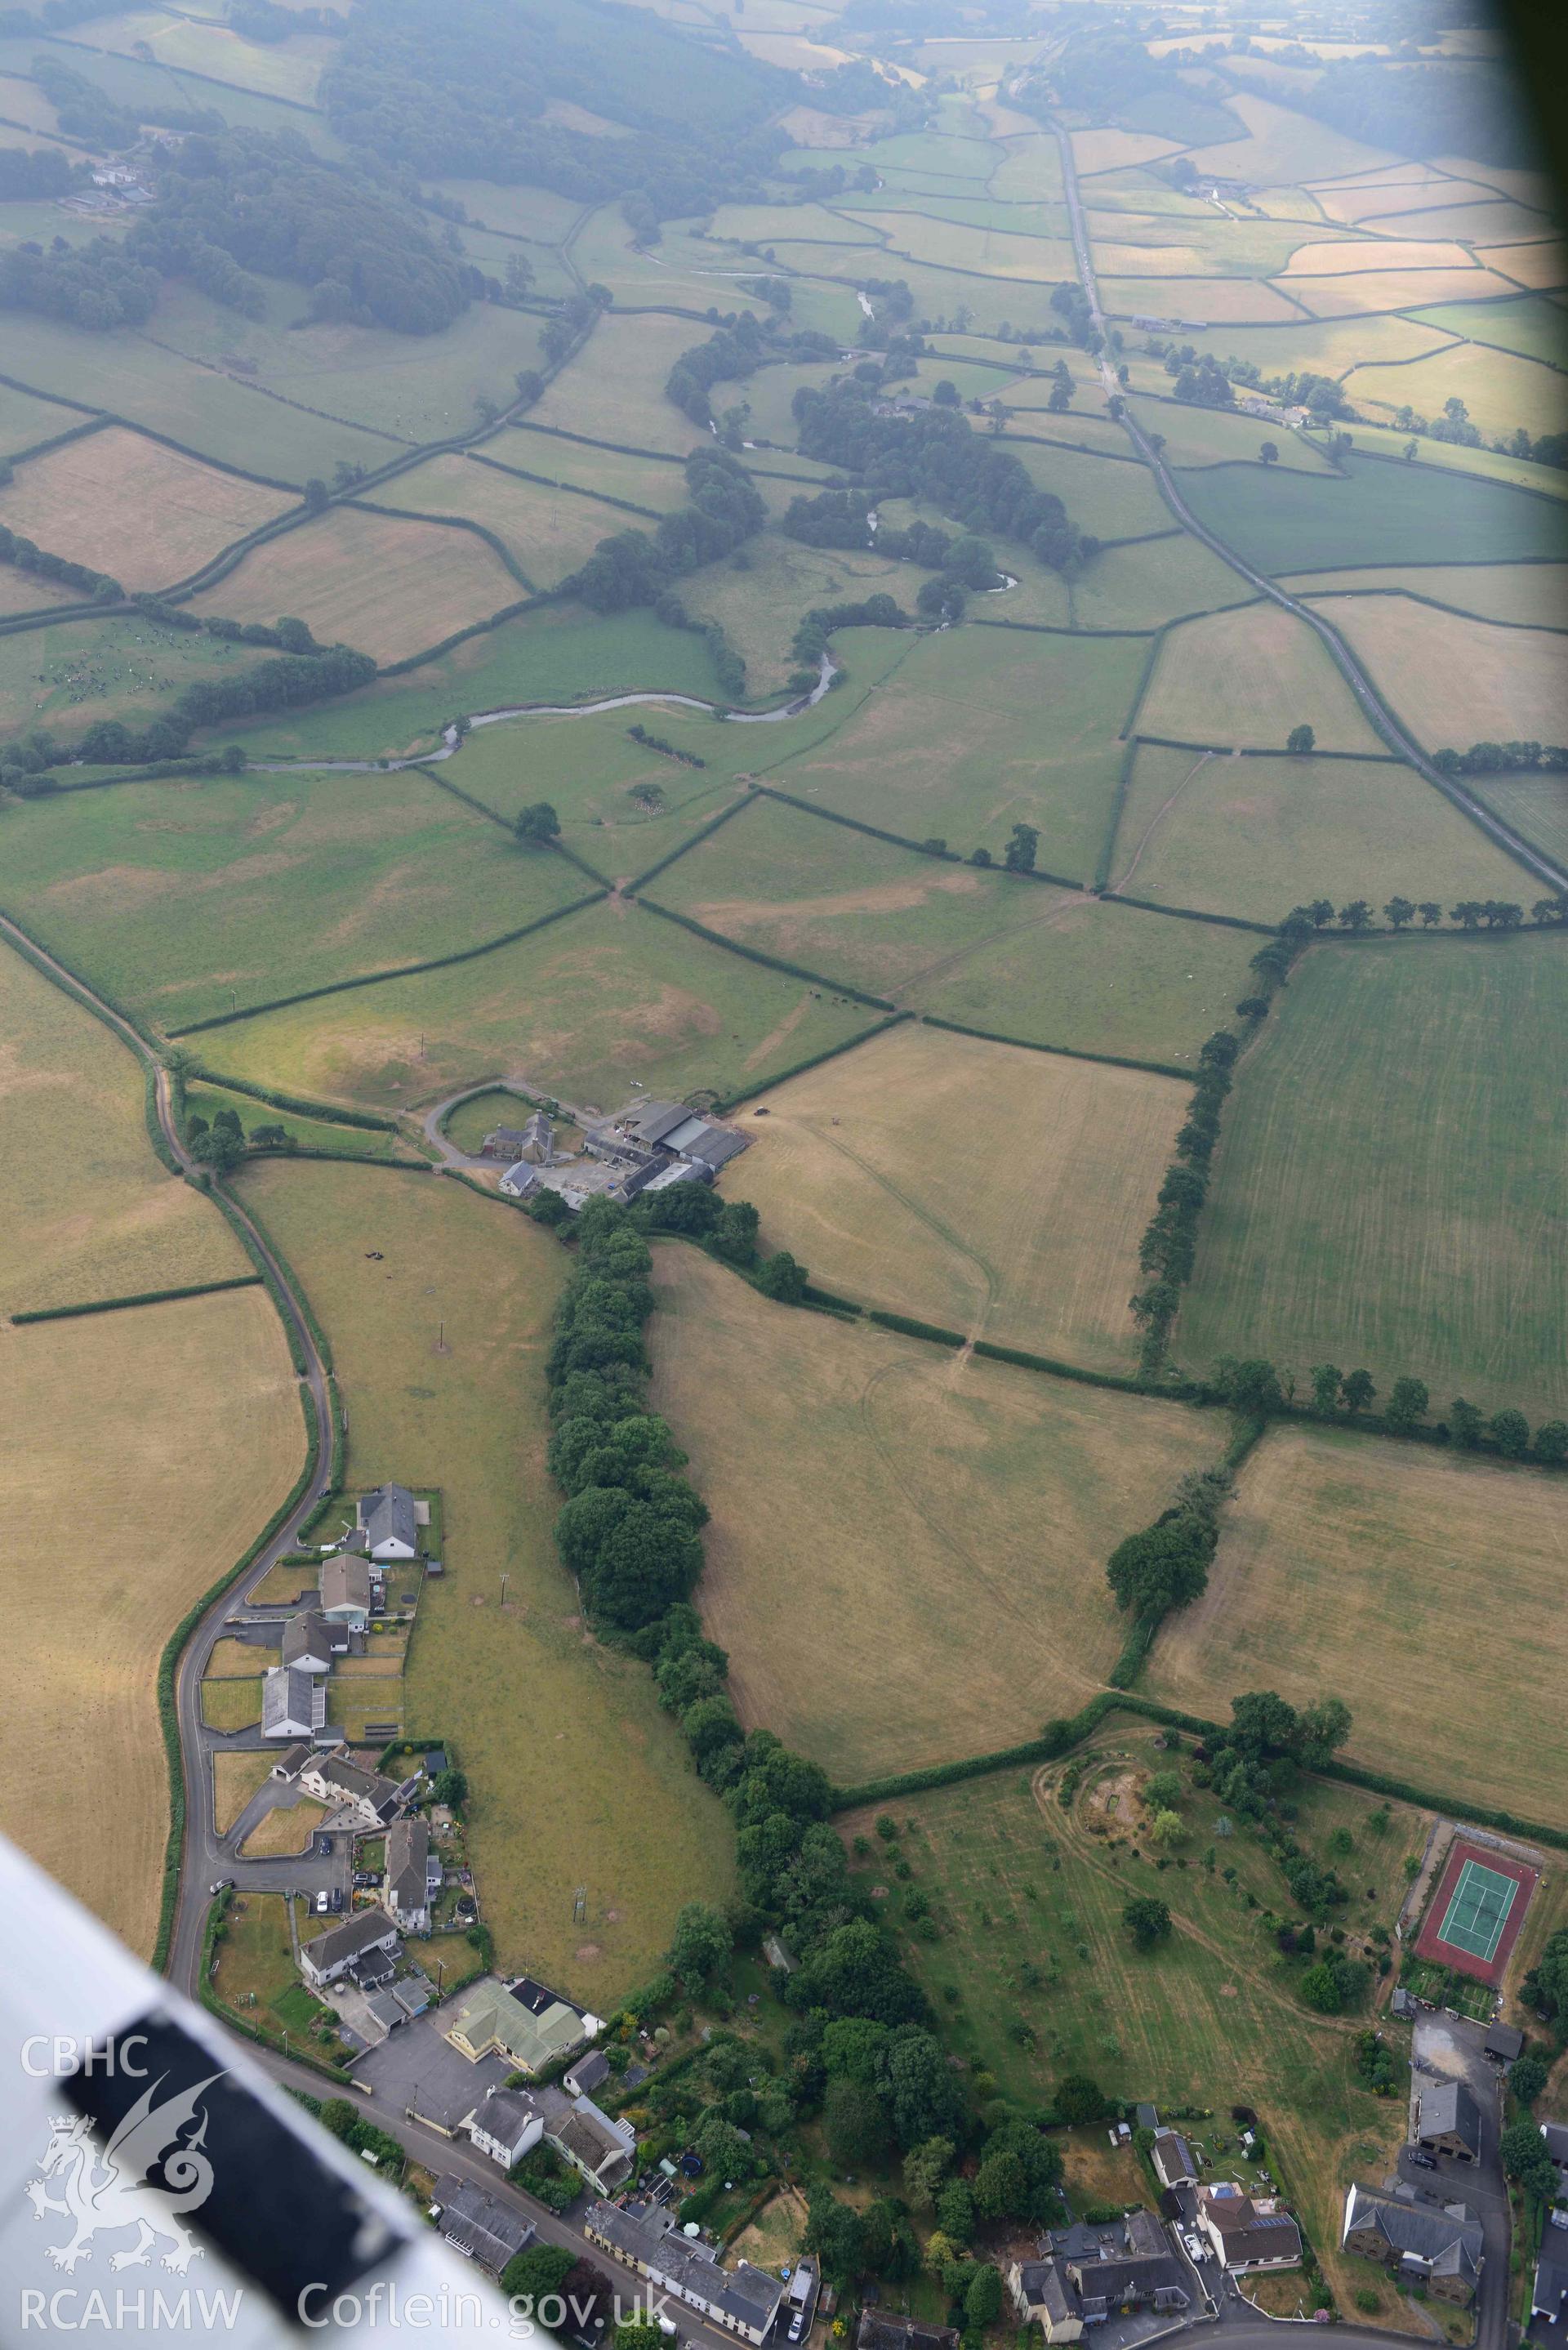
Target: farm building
pixel 647 2239
pixel 294 1702
pixel 1447 2121
pixel 1248 2232
pixel 479 2226
pixel 1440 2249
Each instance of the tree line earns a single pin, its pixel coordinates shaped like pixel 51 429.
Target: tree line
pixel 1258 1387
pixel 1355 916
pixel 936 458
pixel 1503 759
pixel 27 556
pixel 634 568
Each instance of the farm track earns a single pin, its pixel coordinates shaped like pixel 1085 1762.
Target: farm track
pixel 1157 819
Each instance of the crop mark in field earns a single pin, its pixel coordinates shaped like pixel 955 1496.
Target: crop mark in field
pixel 933 1223
pixel 1157 819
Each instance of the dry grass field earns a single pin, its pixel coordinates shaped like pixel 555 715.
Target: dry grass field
pixel 880 1171
pixel 1394 289
pixel 577 1777
pixel 614 389
pixel 1378 197
pixel 236 1776
pixel 127 506
pixel 1285 147
pixel 1252 837
pixel 1342 256
pixel 1212 301
pixel 89 1212
pixel 1116 150
pixel 1245 678
pixel 547 532
pixel 387 585
pixel 164 1439
pixel 1532 594
pixel 232 1704
pixel 1500 390
pixel 960 1516
pixel 1544 267
pixel 238 1658
pixel 27 591
pixel 1389 1564
pixel 1456 680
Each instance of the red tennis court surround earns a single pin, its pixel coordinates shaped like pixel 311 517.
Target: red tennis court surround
pixel 1429 1942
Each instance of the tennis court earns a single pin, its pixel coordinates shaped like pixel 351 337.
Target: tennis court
pixel 1478 1911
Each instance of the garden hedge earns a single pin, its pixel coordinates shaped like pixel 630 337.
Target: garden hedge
pixel 141 1297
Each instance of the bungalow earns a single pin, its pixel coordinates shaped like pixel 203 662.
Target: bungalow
pixel 1248 2232
pixel 488 2021
pixel 331 1954
pixel 346 1589
pixel 506 2125
pixel 389 1522
pixel 1172 2159
pixel 479 2226
pixel 371 1801
pixel 599 2149
pixel 410 1865
pixel 744 2300
pixel 310 1642
pixel 1549 2295
pixel 1423 2245
pixel 1448 2121
pixel 294 1704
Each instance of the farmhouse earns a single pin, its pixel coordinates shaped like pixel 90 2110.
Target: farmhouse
pixel 294 1704
pixel 489 2021
pixel 1448 2121
pixel 506 2125
pixel 1440 2249
pixel 1172 2159
pixel 479 2226
pixel 346 1589
pixel 1085 2274
pixel 373 1801
pixel 1248 2232
pixel 534 1142
pixel 647 2238
pixel 411 1865
pixel 388 1524
pixel 1548 2293
pixel 310 1641
pixel 332 1954
pixel 599 2149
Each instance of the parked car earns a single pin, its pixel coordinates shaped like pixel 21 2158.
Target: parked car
pixel 321 1905
pixel 1196 2250
pixel 1422 2158
pixel 221 1885
pixel 337 1897
pixel 797 2327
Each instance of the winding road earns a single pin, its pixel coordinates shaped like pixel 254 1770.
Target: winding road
pixel 1377 715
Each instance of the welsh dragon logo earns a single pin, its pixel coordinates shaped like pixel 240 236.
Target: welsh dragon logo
pixel 101 2194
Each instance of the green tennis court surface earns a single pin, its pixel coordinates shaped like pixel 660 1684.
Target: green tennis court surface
pixel 1478 1911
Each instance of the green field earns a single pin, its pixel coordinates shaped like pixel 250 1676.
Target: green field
pixel 1209 436
pixel 66 674
pixel 982 729
pixel 1381 514
pixel 185 897
pixel 1141 587
pixel 1244 835
pixel 1536 806
pixel 440 1351
pixel 584 1008
pixel 1530 325
pixel 1389 1190
pixel 1033 1964
pixel 1110 497
pixel 1244 680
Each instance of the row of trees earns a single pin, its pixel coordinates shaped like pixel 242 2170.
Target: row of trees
pixel 1167 1249
pixel 936 458
pixel 1257 1386
pixel 1470 914
pixel 1504 758
pixel 27 556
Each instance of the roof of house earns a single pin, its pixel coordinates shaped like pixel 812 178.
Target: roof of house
pixel 364 1786
pixel 1401 2003
pixel 1249 2231
pixel 385 2009
pixel 506 1138
pixel 1556 2137
pixel 291 1760
pixel 650 2236
pixel 519 1179
pixel 346 1580
pixel 481 2225
pixel 590 2136
pixel 1046 2285
pixel 504 2114
pixel 1172 2158
pixel 1448 2108
pixel 1447 2241
pixel 1504 2040
pixel 1552 2272
pixel 412 1993
pixel 490 2013
pixel 309 1634
pixel 408 1850
pixel 292 1701
pixel 387 1515
pixel 589 2070
pixel 361 1932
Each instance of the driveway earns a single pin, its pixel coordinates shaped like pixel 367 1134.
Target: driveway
pixel 416 2072
pixel 1448 2048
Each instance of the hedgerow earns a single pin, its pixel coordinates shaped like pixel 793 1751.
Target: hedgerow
pixel 141 1297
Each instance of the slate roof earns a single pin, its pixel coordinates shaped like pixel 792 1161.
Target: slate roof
pixel 587 2072
pixel 1552 2272
pixel 357 1785
pixel 1448 2108
pixel 650 2239
pixel 1172 2158
pixel 1504 2041
pixel 1448 2242
pixel 346 1580
pixel 1045 2286
pixel 880 2330
pixel 1247 2231
pixel 479 2224
pixel 1556 2137
pixel 504 2114
pixel 387 1515
pixel 309 1634
pixel 347 1941
pixel 292 1701
pixel 408 1850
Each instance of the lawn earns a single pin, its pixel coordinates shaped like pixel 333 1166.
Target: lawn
pixel 388 585
pixel 1035 1968
pixel 256 1974
pixel 659 482
pixel 287 1829
pixel 1254 837
pixel 232 1704
pixel 881 1172
pixel 440 1349
pixel 473 1120
pixel 1500 390
pixel 609 996
pixel 1456 680
pixel 1529 594
pixel 1391 1563
pixel 89 1212
pixel 161 1503
pixel 286 1584
pixel 1379 514
pixel 547 532
pixel 308 1133
pixel 960 1516
pixel 237 1777
pixel 1207 436
pixel 982 729
pixel 1389 1188
pixel 185 897
pixel 1245 678
pixel 238 1658
pixel 614 389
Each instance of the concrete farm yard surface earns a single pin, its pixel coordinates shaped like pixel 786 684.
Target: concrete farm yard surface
pixel 960 1516
pixel 575 1776
pixel 986 1189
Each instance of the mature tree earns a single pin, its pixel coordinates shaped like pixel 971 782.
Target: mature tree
pixel 701 1945
pixel 734 1235
pixel 450 1788
pixel 1409 1401
pixel 1166 1828
pixel 1355 917
pixel 1060 399
pixel 1527 2078
pixel 1525 2159
pixel 1358 1391
pixel 1510 1433
pixel 945 393
pixel 1268 452
pixel 1162 1567
pixel 1320 1987
pixel 1431 913
pixel 1251 1385
pixel 1301 738
pixel 1018 853
pixel 1398 912
pixel 1147 1920
pixel 924 2167
pixel 983 2302
pixel 855 2123
pixel 1467 913
pixel 1079 2099
pixel 1552 1441
pixel 832 2233
pixel 1326 1381
pixel 1466 1423
pixel 781 1277
pixel 638 2333
pixel 539 2270
pixel 1163 1791
pixel 1321 912
pixel 955 2211
pixel 537 825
